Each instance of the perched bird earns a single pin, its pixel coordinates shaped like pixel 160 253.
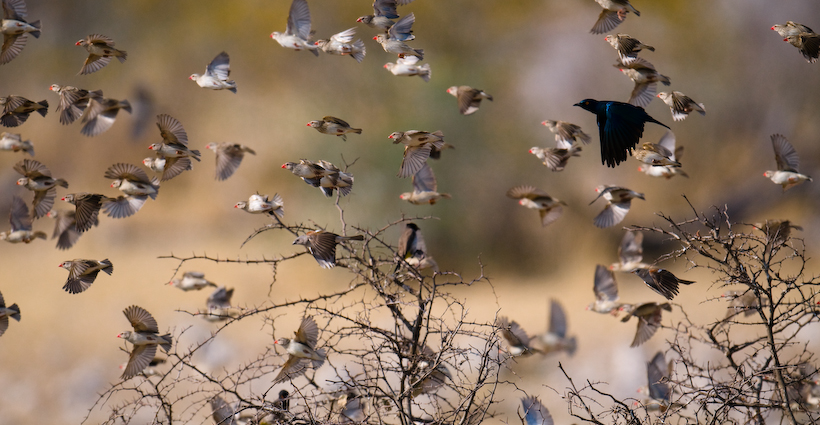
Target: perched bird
pixel 646 80
pixel 606 292
pixel 384 11
pixel 661 281
pixel 566 134
pixel 681 104
pixel 20 224
pixel 12 311
pixel 65 230
pixel 408 66
pixel 297 34
pixel 425 188
pixel 82 273
pixel 398 47
pixel 658 372
pixel 73 101
pixel 656 155
pixel 429 373
pixel 614 13
pixel 342 44
pixel 14 28
pixel 334 126
pixel 412 250
pixel 531 197
pixel 630 253
pixel 223 413
pixel 746 302
pixel 620 126
pixel 534 412
pixel 469 99
pixel 258 204
pixel 802 37
pixel 100 115
pixel 16 110
pixel 100 51
pixel 353 406
pixel 191 281
pixel 417 148
pixel 649 319
pixel 322 245
pixel 518 342
pixel 87 208
pixel 300 349
pixel 618 200
pixel 37 178
pixel 145 338
pixel 788 163
pixel 667 141
pixel 174 147
pixel 216 74
pixel 555 338
pixel 627 47
pixel 218 305
pixel 136 185
pixel 13 142
pixel 555 158
pixel 228 157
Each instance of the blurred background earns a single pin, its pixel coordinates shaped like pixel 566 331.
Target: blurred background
pixel 537 59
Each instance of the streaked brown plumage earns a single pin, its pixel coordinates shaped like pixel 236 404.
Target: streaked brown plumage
pixel 100 51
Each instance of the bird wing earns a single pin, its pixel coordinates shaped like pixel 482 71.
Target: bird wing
pixel 631 248
pixel 534 412
pixel 785 154
pixel 220 67
pixel 656 371
pixel 171 130
pixel 668 142
pixel 607 21
pixel 220 298
pixel 407 241
pixel 424 180
pixel 140 358
pixel 94 63
pixel 142 321
pixel 643 93
pixel 549 215
pixel 661 281
pixel 648 325
pixel 605 286
pixel 401 30
pixel 526 191
pixel 18 215
pixel 414 158
pixel 323 248
pixel 558 319
pixel 125 171
pixel 228 160
pixel 175 166
pixel 386 8
pixel 299 20
pixel 344 37
pixel 308 332
pixel 612 214
pixel 123 206
pixel 14 9
pixel 12 46
pixel 43 201
pixel 467 101
pixel 32 168
pixel 223 413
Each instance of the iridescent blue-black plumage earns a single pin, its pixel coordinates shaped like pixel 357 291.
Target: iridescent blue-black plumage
pixel 620 126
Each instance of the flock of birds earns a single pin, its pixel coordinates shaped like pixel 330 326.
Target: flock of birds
pixel 620 127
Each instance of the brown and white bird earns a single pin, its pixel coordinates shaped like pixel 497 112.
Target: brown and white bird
pixel 802 37
pixel 408 66
pixel 145 338
pixel 342 44
pixel 136 185
pixel 228 157
pixel 656 155
pixel 788 163
pixel 37 178
pixel 746 303
pixel 100 51
pixel 661 281
pixel 627 47
pixel 649 319
pixel 82 273
pixel 646 80
pixel 223 413
pixel 216 74
pixel 398 47
pixel 417 148
pixel 100 115
pixel 218 306
pixel 12 311
pixel 384 11
pixel 87 208
pixel 681 105
pixel 468 98
pixel 531 197
pixel 425 188
pixel 535 413
pixel 297 34
pixel 73 101
pixel 618 199
pixel 518 342
pixel 174 147
pixel 16 110
pixel 322 245
pixel 566 134
pixel 300 349
pixel 191 281
pixel 333 179
pixel 334 126
pixel 21 224
pixel 555 158
pixel 412 250
pixel 658 372
pixel 15 143
pixel 614 13
pixel 630 253
pixel 65 230
pixel 555 339
pixel 258 204
pixel 312 173
pixel 606 292
pixel 14 28
pixel 777 231
pixel 667 141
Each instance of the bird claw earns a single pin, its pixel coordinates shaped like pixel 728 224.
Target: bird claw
pixel 622 14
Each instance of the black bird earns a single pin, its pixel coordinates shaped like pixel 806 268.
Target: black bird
pixel 620 126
